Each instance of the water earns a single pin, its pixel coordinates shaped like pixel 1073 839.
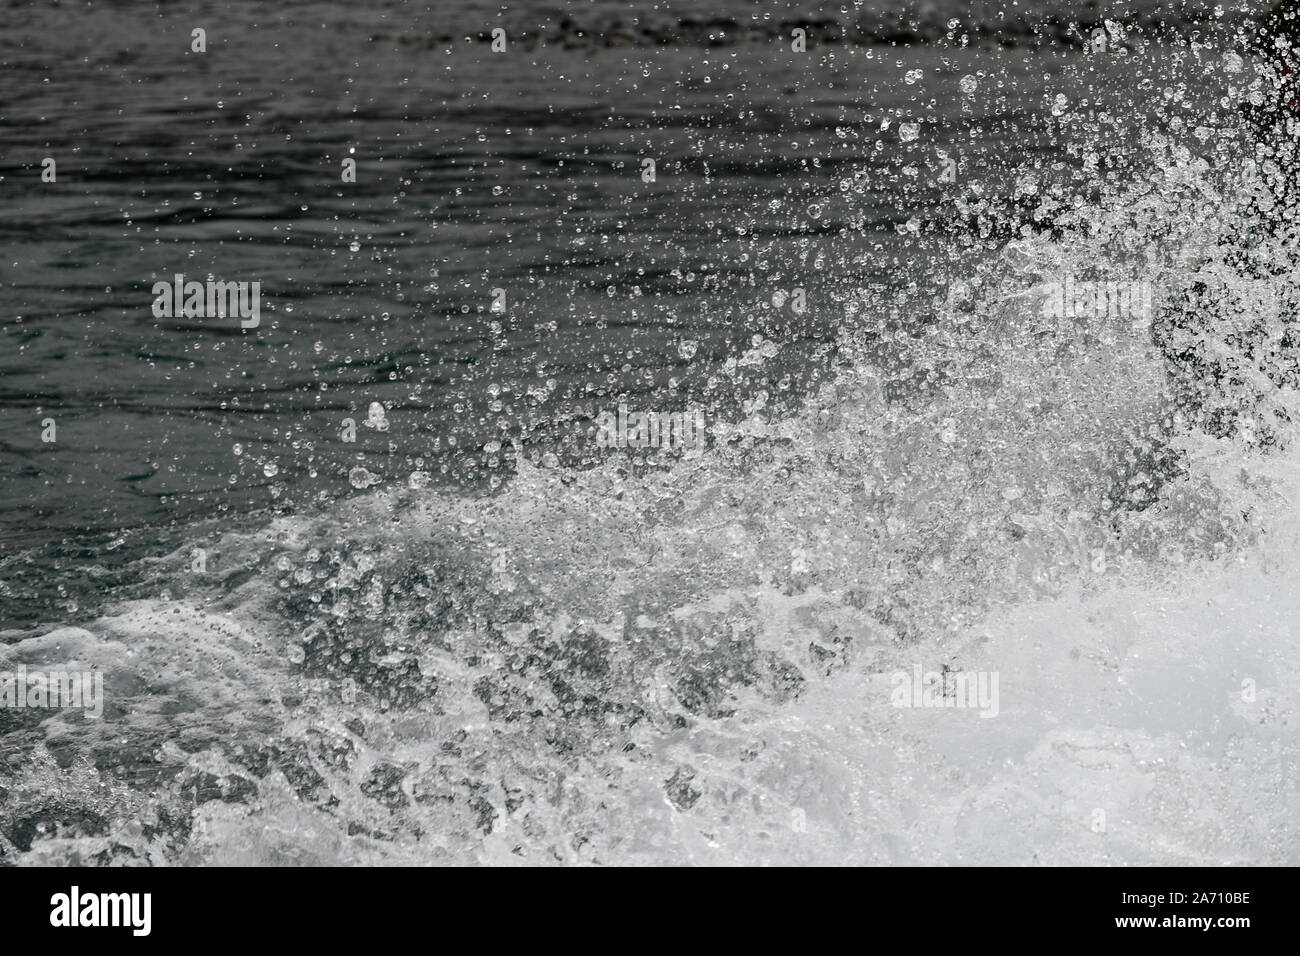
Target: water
pixel 472 635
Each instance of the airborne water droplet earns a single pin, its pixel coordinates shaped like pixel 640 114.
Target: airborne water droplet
pixel 361 478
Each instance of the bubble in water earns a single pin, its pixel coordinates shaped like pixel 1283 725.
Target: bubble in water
pixel 377 418
pixel 270 469
pixel 969 84
pixel 361 478
pixel 296 653
pixel 355 246
pixel 238 449
pixel 907 132
pixel 418 479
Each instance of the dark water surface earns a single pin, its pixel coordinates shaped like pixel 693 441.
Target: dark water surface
pixel 477 171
